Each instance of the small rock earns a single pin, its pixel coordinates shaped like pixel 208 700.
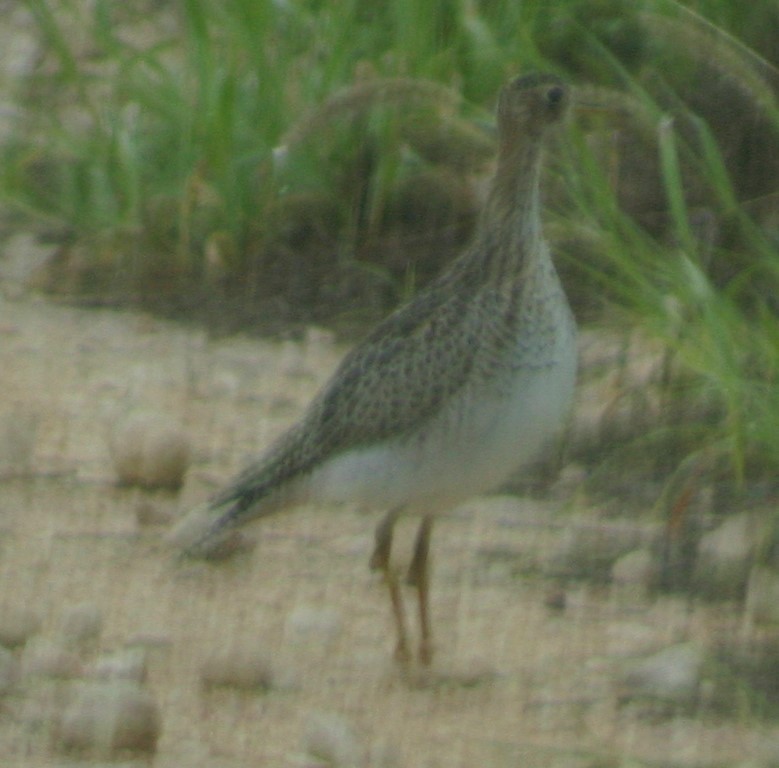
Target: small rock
pixel 9 671
pixel 672 676
pixel 329 737
pixel 308 624
pixel 25 260
pixel 242 668
pixel 17 626
pixel 150 450
pixel 570 478
pixel 44 658
pixel 634 571
pixel 81 626
pixel 103 718
pixel 629 639
pixel 725 557
pixel 127 664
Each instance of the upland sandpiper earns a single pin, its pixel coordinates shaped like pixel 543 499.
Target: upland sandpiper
pixel 452 392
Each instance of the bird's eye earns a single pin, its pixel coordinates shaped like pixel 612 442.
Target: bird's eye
pixel 554 95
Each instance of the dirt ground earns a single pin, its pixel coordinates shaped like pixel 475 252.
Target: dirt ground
pixel 515 682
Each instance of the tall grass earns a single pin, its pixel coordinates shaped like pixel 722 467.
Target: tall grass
pixel 722 338
pixel 229 146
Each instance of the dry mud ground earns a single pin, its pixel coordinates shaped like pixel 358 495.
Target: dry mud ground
pixel 515 683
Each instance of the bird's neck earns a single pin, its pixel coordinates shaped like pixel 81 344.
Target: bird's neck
pixel 509 232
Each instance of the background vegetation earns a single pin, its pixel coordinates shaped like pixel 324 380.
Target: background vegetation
pixel 261 164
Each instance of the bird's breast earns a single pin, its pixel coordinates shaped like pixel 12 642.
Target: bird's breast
pixel 474 442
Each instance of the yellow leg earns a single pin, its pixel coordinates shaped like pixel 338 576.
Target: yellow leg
pixel 402 652
pixel 380 560
pixel 419 576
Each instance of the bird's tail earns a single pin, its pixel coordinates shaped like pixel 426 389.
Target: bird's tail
pixel 204 531
pixel 277 481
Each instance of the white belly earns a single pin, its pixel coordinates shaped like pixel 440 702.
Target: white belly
pixel 477 442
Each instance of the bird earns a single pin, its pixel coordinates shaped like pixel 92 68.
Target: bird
pixel 449 394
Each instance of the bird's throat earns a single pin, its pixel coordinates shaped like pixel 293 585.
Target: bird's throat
pixel 510 226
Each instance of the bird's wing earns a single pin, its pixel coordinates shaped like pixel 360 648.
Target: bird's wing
pixel 397 379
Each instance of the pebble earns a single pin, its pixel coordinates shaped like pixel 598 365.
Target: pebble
pixel 241 668
pixel 308 624
pixel 25 261
pixel 672 675
pixel 630 639
pixel 103 718
pixel 17 626
pixel 127 664
pixel 634 571
pixel 150 450
pixel 725 556
pixel 569 480
pixel 330 737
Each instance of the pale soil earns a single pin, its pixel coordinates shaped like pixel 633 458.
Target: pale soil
pixel 514 683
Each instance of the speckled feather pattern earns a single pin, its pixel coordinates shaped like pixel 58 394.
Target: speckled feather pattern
pixel 499 313
pixel 401 376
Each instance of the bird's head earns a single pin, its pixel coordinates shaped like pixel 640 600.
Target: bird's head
pixel 529 104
